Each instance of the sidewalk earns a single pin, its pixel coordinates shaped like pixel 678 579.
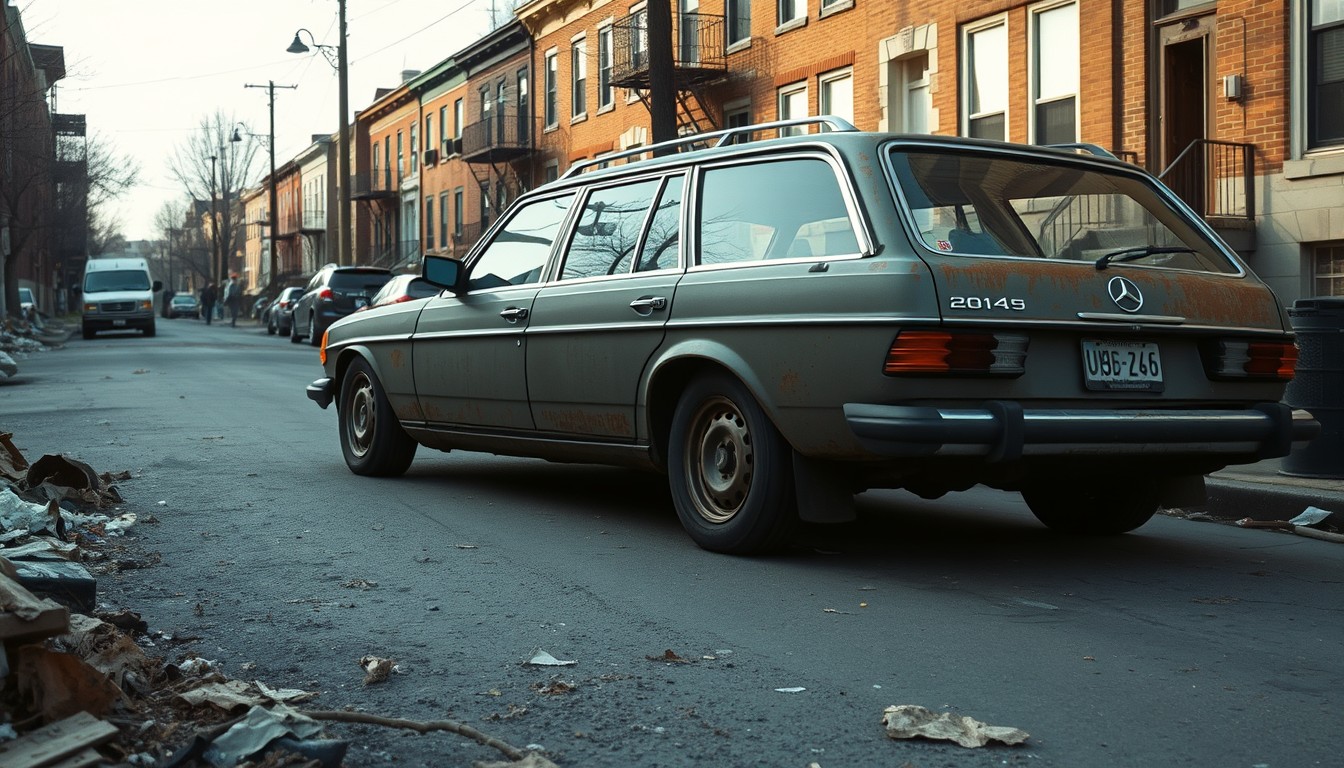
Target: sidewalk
pixel 1262 492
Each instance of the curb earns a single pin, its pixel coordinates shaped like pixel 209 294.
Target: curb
pixel 1237 497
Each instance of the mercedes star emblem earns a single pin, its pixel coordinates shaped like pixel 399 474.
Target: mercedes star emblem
pixel 1125 294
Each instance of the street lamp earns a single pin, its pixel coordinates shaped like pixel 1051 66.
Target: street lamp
pixel 343 136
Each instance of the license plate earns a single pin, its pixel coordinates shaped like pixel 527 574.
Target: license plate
pixel 1133 366
pixel 118 322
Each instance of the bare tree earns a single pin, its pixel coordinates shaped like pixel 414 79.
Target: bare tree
pixel 181 252
pixel 212 167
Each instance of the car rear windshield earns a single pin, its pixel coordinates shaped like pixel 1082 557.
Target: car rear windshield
pixel 117 280
pixel 359 282
pixel 998 205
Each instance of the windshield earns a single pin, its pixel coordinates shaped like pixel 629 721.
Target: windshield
pixel 997 205
pixel 116 280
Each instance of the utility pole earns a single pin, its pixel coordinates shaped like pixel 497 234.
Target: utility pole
pixel 275 261
pixel 214 219
pixel 662 73
pixel 343 160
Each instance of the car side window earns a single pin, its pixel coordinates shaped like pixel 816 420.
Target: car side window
pixel 608 230
pixel 518 252
pixel 661 244
pixel 776 209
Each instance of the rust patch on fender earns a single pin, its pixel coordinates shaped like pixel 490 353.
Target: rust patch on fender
pixel 790 382
pixel 587 423
pixel 397 357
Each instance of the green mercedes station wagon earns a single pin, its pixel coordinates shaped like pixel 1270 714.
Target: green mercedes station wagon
pixel 780 324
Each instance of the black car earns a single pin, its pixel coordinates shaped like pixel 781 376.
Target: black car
pixel 277 314
pixel 333 293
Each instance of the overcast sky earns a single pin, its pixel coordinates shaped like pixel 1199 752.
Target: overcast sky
pixel 148 72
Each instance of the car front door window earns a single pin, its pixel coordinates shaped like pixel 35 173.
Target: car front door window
pixel 518 252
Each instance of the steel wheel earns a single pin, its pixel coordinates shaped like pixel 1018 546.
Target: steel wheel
pixel 730 471
pixel 372 439
pixel 720 460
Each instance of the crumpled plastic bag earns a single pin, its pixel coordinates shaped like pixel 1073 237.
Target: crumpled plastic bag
pixel 908 721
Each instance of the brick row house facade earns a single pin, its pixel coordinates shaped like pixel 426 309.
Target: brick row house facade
pixel 1237 104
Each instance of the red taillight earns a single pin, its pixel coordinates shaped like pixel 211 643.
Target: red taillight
pixel 924 352
pixel 325 294
pixel 1253 360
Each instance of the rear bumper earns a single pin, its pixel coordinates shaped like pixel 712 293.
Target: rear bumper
pixel 1005 431
pixel 322 391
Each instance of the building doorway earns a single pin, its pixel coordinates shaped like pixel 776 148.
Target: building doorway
pixel 1185 51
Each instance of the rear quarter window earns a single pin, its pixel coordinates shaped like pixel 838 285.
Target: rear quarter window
pixel 773 209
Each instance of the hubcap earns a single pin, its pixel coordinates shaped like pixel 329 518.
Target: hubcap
pixel 720 458
pixel 361 418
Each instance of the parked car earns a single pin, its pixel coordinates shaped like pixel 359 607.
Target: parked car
pixel 27 301
pixel 278 314
pixel 402 288
pixel 184 305
pixel 782 323
pixel 333 293
pixel 259 306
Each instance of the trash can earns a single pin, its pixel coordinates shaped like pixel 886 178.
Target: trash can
pixel 1318 385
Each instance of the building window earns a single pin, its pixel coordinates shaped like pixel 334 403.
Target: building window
pixel 737 115
pixel 985 73
pixel 837 94
pixel 1054 76
pixel 552 171
pixel 377 161
pixel 387 168
pixel 429 132
pixel 429 223
pixel 415 150
pixel 739 20
pixel 484 207
pixel 443 130
pixel 1325 73
pixel 688 31
pixel 639 41
pixel 524 119
pixel 578 72
pixel 457 119
pixel 401 158
pixel 790 10
pixel 552 76
pixel 916 101
pixel 1328 270
pixel 457 212
pixel 443 218
pixel 606 95
pixel 792 103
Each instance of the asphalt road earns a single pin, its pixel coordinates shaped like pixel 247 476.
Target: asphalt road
pixel 1184 643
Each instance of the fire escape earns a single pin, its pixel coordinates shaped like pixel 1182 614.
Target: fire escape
pixel 378 190
pixel 491 148
pixel 699 60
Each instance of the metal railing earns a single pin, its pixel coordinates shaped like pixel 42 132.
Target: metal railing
pixel 1215 178
pixel 504 132
pixel 698 51
pixel 469 234
pixel 378 183
pixel 314 219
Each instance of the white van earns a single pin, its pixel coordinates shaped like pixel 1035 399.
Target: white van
pixel 118 294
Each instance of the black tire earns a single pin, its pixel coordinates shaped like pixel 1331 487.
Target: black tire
pixel 270 326
pixel 1092 509
pixel 88 333
pixel 149 330
pixel 730 471
pixel 314 338
pixel 372 439
pixel 294 336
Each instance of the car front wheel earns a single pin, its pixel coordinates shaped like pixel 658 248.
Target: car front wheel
pixel 294 336
pixel 730 470
pixel 1096 509
pixel 372 440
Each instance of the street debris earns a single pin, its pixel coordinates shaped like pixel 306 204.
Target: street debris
pixel 541 658
pixel 21 337
pixel 908 721
pixel 1300 525
pixel 794 689
pixel 670 656
pixel 377 669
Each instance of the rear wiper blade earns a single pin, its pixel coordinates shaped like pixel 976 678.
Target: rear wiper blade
pixel 1131 254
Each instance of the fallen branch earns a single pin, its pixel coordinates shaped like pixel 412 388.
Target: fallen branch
pixel 452 726
pixel 1284 525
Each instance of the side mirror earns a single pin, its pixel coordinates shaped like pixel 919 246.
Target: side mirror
pixel 158 286
pixel 442 272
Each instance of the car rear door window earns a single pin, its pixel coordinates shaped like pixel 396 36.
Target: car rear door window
pixel 608 230
pixel 660 248
pixel 518 252
pixel 777 209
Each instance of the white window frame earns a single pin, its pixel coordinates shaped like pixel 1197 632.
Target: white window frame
pixel 736 43
pixel 1053 59
pixel 784 93
pixel 550 110
pixel 578 78
pixel 789 14
pixel 967 65
pixel 826 79
pixel 606 92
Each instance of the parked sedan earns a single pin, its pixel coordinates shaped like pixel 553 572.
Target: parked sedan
pixel 278 315
pixel 333 293
pixel 402 288
pixel 184 305
pixel 779 324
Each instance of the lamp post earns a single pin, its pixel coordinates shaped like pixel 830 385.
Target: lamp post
pixel 214 218
pixel 343 135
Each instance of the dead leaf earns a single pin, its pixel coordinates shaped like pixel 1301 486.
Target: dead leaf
pixel 376 669
pixel 669 656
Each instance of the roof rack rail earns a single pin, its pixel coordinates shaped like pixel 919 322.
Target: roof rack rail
pixel 1091 149
pixel 724 136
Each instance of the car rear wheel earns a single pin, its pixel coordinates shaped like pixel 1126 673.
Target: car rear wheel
pixel 372 440
pixel 270 325
pixel 730 470
pixel 1095 509
pixel 313 338
pixel 294 336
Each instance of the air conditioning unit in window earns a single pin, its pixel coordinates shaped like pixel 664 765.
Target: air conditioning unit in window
pixel 431 156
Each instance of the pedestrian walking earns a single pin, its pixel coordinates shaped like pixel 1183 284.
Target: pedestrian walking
pixel 208 296
pixel 233 298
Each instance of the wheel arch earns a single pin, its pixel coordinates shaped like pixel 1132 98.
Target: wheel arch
pixel 674 369
pixel 345 357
